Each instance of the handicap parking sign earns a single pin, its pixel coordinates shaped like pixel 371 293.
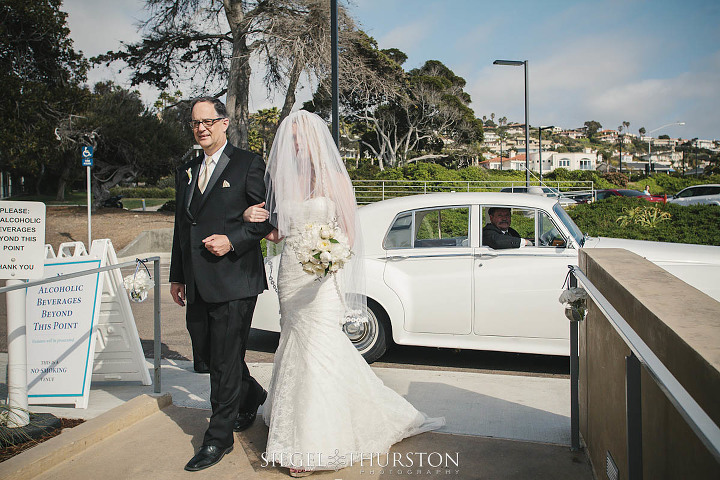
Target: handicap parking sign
pixel 87 156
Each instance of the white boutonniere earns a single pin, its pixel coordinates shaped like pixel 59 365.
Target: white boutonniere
pixel 189 173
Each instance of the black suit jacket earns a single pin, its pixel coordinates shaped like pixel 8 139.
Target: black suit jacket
pixel 494 238
pixel 236 183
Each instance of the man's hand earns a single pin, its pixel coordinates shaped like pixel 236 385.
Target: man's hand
pixel 177 290
pixel 218 245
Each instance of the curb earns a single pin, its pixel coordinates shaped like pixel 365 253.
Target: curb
pixel 41 458
pixel 158 240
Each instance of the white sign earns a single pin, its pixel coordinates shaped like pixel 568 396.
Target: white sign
pixel 61 319
pixel 22 236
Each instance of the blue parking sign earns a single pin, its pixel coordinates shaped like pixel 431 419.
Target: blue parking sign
pixel 87 156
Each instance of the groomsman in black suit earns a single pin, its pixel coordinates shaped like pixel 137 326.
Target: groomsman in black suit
pixel 217 268
pixel 498 233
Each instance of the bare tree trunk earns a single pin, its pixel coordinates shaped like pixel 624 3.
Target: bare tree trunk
pixel 290 94
pixel 62 182
pixel 238 91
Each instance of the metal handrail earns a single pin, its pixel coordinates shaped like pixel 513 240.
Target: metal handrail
pixel 368 191
pixel 156 291
pixel 700 422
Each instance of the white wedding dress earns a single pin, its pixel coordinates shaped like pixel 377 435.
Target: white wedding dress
pixel 325 405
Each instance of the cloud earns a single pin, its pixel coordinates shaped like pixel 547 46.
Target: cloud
pixel 99 26
pixel 605 79
pixel 407 36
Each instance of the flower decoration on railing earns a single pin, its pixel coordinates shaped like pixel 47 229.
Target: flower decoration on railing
pixel 139 282
pixel 575 300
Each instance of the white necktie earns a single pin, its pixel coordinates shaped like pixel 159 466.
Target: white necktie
pixel 205 175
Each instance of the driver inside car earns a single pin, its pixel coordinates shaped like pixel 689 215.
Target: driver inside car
pixel 498 234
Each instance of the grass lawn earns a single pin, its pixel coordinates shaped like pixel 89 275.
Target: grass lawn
pixel 72 198
pixel 80 198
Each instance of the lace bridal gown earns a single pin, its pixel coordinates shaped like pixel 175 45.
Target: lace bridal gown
pixel 325 405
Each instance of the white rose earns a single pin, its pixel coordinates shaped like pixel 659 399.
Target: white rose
pixel 323 245
pixel 326 232
pixel 325 257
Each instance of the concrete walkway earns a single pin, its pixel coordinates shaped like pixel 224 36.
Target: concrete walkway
pixel 498 426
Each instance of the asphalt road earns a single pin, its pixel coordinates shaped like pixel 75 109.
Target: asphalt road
pixel 262 344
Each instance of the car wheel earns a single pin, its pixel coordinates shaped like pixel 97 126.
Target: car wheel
pixel 371 339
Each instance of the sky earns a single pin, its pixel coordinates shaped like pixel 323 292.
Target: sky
pixel 649 62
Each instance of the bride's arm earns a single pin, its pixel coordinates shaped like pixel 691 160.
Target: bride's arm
pixel 274 236
pixel 257 214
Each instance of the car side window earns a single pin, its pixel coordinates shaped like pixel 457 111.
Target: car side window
pixel 522 222
pixel 689 192
pixel 400 233
pixel 442 227
pixel 713 191
pixel 549 236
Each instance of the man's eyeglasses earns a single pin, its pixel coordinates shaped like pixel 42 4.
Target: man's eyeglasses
pixel 207 122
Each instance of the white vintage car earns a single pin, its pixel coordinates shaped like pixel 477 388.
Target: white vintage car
pixel 432 282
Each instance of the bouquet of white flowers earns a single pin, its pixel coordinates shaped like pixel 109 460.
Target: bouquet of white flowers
pixel 322 248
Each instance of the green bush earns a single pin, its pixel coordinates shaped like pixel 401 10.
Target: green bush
pixel 699 224
pixel 166 181
pixel 616 178
pixel 144 192
pixel 168 206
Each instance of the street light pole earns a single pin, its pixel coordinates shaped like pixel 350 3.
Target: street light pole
pixel 540 130
pixel 334 67
pixel 501 153
pixel 524 64
pixel 650 142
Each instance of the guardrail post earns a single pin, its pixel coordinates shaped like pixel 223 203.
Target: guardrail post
pixel 17 357
pixel 157 345
pixel 633 411
pixel 574 378
pixel 383 190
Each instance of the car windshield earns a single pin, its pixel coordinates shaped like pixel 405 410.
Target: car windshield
pixel 572 228
pixel 631 193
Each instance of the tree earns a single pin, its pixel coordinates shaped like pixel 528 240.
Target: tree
pixel 129 140
pixel 592 127
pixel 263 124
pixel 642 131
pixel 42 79
pixel 214 44
pixel 397 112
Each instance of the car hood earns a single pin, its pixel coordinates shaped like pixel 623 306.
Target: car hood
pixel 661 251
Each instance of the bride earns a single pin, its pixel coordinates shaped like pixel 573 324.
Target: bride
pixel 325 406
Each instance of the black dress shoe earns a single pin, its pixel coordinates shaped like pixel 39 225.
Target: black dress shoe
pixel 245 419
pixel 201 367
pixel 207 456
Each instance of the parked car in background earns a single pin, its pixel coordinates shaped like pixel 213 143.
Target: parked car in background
pixel 545 191
pixel 698 194
pixel 626 192
pixel 431 282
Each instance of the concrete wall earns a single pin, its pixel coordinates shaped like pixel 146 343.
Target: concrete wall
pixel 682 326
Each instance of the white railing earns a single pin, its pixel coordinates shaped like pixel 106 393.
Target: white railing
pixel 369 191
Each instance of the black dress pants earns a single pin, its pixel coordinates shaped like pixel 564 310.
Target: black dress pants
pixel 219 331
